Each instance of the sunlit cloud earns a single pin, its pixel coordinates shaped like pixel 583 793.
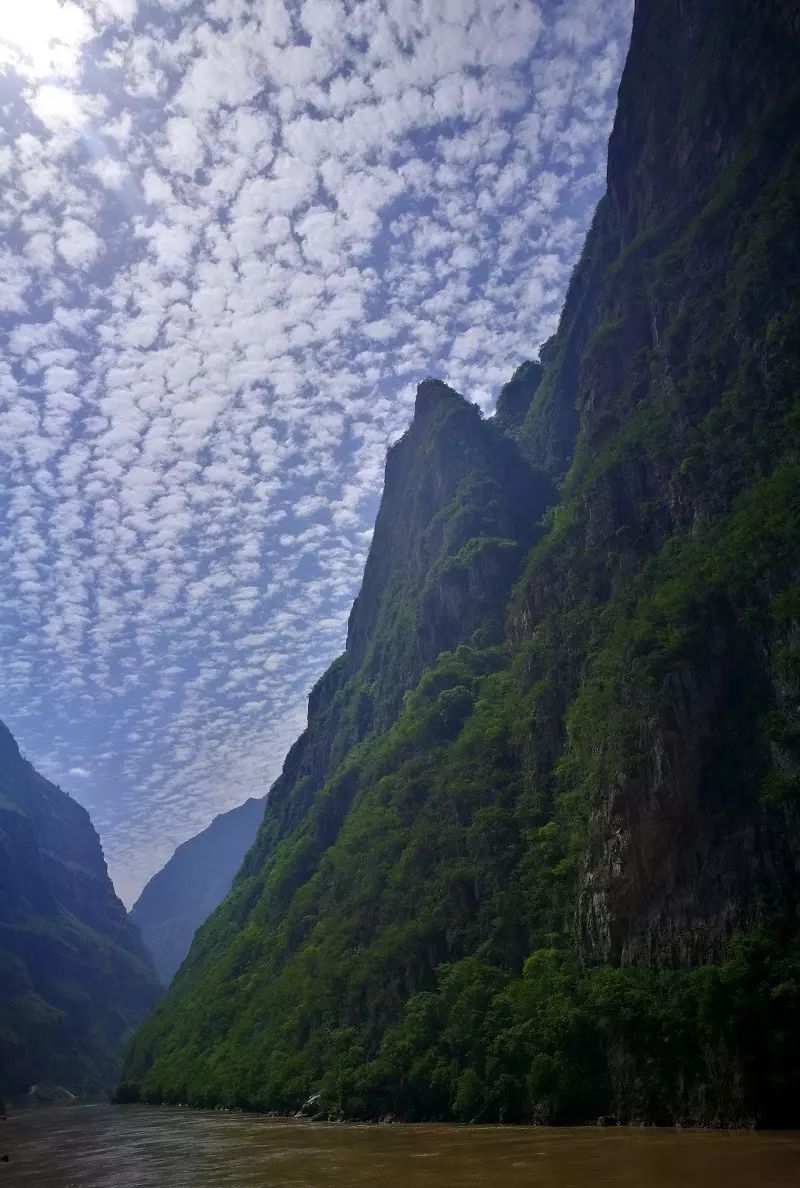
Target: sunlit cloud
pixel 41 38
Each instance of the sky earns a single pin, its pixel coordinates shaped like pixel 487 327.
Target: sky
pixel 234 235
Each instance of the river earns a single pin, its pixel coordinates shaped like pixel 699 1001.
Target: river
pixel 134 1147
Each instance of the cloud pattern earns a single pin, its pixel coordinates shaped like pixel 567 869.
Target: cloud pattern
pixel 235 234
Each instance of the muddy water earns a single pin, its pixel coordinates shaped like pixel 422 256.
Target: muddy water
pixel 130 1147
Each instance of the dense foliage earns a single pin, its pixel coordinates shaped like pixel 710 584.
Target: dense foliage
pixel 563 881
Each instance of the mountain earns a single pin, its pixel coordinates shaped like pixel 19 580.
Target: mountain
pixel 537 855
pixel 196 879
pixel 74 976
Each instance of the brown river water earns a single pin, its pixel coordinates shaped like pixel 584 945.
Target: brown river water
pixel 131 1146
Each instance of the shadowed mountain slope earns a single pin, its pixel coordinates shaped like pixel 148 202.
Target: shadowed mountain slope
pixel 74 976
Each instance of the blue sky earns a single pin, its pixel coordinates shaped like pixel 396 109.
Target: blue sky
pixel 233 237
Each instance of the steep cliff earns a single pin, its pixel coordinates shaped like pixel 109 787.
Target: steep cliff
pixel 74 976
pixel 676 545
pixel 198 876
pixel 451 534
pixel 561 879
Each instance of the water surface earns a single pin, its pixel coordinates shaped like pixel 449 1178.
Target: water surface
pixel 132 1146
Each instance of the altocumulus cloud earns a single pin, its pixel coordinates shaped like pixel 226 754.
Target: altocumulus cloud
pixel 235 234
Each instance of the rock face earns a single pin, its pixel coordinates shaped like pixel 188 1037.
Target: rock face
pixel 537 856
pixel 669 397
pixel 198 876
pixel 74 976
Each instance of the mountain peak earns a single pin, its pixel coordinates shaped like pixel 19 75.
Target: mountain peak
pixel 7 740
pixel 432 393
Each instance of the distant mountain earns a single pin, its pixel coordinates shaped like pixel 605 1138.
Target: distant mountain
pixel 196 879
pixel 74 976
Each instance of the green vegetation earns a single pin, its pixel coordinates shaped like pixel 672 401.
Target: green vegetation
pixel 356 970
pixel 560 1044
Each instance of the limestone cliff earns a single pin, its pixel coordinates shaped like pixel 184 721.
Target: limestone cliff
pixel 668 407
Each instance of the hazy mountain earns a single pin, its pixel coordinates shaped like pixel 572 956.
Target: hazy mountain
pixel 74 975
pixel 184 893
pixel 536 856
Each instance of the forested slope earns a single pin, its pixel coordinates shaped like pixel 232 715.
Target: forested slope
pixel 564 880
